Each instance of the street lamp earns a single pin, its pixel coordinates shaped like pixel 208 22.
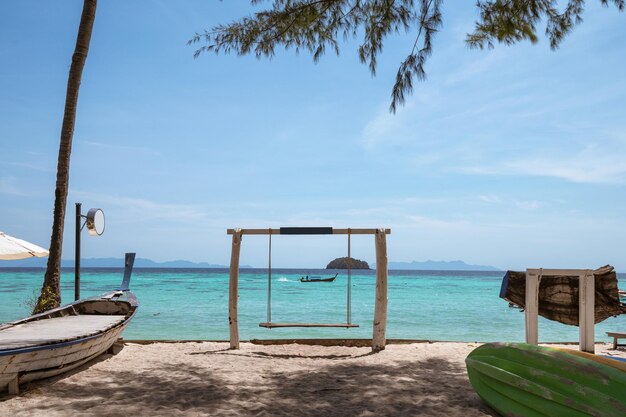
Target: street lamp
pixel 94 220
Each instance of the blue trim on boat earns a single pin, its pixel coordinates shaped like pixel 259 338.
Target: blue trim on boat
pixel 504 286
pixel 615 358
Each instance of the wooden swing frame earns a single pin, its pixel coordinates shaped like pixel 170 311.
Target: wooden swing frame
pixel 269 324
pixel 380 310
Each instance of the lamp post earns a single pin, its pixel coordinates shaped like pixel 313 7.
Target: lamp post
pixel 94 220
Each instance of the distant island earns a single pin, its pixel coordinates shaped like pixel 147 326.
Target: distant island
pixel 439 266
pixel 111 263
pixel 342 263
pixel 339 263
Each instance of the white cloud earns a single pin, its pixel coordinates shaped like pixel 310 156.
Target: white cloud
pixel 528 205
pixel 8 185
pixel 390 129
pixel 594 163
pixel 477 66
pixel 34 167
pixel 580 168
pixel 490 198
pixel 138 149
pixel 435 223
pixel 421 200
pixel 142 209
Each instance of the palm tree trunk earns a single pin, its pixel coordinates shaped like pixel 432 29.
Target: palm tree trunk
pixel 51 290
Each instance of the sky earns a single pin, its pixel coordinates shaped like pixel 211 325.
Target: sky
pixel 512 157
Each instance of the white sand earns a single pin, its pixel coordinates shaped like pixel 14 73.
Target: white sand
pixel 194 379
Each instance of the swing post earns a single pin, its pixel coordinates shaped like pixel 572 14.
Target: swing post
pixel 380 309
pixel 233 289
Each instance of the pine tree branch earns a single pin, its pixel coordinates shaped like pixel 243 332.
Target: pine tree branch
pixel 314 25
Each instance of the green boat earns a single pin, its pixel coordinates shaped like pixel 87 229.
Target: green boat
pixel 517 379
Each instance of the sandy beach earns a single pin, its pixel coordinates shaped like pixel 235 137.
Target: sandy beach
pixel 197 379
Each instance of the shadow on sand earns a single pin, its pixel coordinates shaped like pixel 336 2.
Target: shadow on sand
pixel 265 355
pixel 434 387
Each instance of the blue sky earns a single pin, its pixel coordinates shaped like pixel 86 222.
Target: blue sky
pixel 513 157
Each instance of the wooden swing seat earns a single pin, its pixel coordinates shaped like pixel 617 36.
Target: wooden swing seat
pixel 275 325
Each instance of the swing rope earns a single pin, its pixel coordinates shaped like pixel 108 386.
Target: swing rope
pixel 269 281
pixel 269 323
pixel 349 301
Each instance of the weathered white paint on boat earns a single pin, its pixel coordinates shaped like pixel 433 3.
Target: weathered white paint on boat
pixel 64 338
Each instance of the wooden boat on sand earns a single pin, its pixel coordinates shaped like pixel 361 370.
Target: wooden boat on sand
pixel 517 379
pixel 318 279
pixel 64 338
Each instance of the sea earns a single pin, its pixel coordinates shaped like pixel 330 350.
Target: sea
pixel 192 304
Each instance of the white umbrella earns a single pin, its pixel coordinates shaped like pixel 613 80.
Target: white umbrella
pixel 14 248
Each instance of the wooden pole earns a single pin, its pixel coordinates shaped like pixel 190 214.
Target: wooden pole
pixel 380 309
pixel 531 312
pixel 79 219
pixel 233 290
pixel 14 385
pixel 586 311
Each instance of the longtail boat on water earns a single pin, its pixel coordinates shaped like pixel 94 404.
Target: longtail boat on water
pixel 66 337
pixel 315 278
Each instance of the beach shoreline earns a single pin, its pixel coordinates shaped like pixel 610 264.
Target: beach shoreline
pixel 207 378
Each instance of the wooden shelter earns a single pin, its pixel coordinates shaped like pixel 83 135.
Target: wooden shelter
pixel 380 309
pixel 559 295
pixel 579 297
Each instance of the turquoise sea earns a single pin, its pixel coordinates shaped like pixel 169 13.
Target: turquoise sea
pixel 193 304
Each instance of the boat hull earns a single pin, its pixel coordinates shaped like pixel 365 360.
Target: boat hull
pixel 317 280
pixel 518 379
pixel 329 279
pixel 35 358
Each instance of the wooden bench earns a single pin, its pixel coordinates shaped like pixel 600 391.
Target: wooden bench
pixel 616 336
